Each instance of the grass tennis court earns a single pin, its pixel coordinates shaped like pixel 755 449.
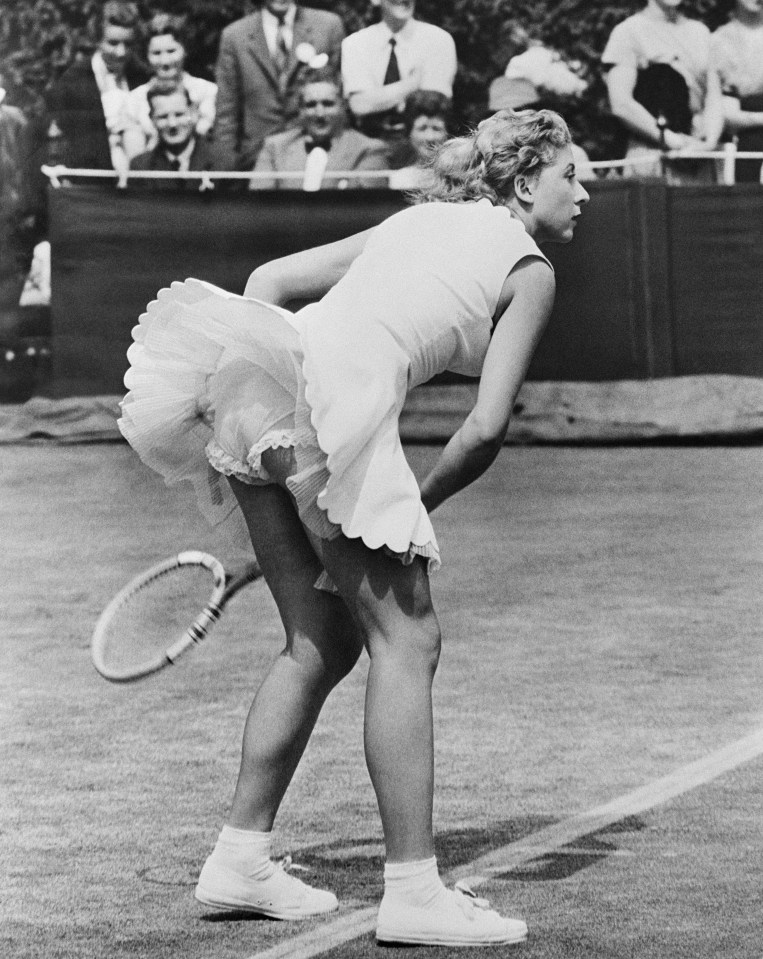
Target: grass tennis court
pixel 601 617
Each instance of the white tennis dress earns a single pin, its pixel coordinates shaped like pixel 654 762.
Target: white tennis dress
pixel 216 378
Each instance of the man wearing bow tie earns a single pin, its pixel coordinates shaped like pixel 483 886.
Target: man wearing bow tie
pixel 322 145
pixel 259 64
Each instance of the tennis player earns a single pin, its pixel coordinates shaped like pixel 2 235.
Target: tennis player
pixel 300 413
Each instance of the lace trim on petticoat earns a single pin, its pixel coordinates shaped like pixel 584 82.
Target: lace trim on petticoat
pixel 252 471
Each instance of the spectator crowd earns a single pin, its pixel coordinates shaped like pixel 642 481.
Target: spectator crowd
pixel 295 95
pixel 298 103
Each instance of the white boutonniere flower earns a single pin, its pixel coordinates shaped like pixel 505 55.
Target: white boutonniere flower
pixel 307 54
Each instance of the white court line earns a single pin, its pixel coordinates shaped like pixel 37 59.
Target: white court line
pixel 547 840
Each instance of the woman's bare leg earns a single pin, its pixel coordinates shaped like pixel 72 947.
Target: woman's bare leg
pixel 322 646
pixel 393 607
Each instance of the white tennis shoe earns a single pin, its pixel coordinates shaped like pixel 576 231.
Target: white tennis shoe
pixel 458 918
pixel 280 896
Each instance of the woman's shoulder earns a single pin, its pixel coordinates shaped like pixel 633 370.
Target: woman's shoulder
pixel 727 29
pixel 629 28
pixel 139 94
pixel 695 28
pixel 464 212
pixel 479 226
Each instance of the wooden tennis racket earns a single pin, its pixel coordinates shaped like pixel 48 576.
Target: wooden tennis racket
pixel 162 613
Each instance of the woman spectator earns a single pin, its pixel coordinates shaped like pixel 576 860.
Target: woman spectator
pixel 663 87
pixel 738 54
pixel 166 52
pixel 426 118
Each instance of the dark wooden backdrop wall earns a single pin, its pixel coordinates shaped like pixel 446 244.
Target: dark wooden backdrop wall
pixel 658 282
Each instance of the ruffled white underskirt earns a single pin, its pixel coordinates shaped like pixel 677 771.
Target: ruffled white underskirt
pixel 216 380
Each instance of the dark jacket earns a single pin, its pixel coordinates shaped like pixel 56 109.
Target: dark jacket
pixel 156 159
pixel 75 106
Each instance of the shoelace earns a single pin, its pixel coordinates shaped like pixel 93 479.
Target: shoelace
pixel 468 900
pixel 288 865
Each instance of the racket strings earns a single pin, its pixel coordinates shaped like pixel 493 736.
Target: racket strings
pixel 154 615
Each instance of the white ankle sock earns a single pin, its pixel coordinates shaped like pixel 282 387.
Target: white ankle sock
pixel 246 850
pixel 416 883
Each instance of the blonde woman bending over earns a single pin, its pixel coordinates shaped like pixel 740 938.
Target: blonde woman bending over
pixel 289 424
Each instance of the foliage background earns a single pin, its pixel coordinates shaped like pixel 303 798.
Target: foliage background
pixel 39 38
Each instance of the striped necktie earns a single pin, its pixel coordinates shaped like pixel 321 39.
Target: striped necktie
pixel 281 55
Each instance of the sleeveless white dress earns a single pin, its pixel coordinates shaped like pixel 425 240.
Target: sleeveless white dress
pixel 216 379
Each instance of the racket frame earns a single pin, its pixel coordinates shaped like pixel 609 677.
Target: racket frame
pixel 224 588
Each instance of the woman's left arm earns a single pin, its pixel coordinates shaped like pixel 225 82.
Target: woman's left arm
pixel 475 445
pixel 307 275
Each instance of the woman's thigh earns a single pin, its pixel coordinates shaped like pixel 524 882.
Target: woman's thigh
pixel 389 602
pixel 316 622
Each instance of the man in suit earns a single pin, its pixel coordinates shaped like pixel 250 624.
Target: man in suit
pixel 87 102
pixel 178 149
pixel 259 64
pixel 321 144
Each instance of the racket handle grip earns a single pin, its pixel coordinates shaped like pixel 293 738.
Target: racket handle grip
pixel 195 633
pixel 176 650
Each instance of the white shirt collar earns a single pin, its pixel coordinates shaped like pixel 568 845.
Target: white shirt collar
pixel 105 79
pixel 404 34
pixel 270 21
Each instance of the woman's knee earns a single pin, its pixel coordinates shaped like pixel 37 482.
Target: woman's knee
pixel 416 642
pixel 329 648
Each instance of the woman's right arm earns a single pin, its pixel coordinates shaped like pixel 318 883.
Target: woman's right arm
pixel 307 275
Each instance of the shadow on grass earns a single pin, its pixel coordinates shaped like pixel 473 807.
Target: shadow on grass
pixel 235 915
pixel 567 860
pixel 354 868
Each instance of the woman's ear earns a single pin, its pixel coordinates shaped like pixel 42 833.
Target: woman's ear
pixel 524 188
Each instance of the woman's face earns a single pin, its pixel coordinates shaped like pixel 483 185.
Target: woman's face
pixel 426 134
pixel 557 199
pixel 166 57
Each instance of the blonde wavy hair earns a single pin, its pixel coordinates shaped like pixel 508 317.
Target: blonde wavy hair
pixel 486 162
